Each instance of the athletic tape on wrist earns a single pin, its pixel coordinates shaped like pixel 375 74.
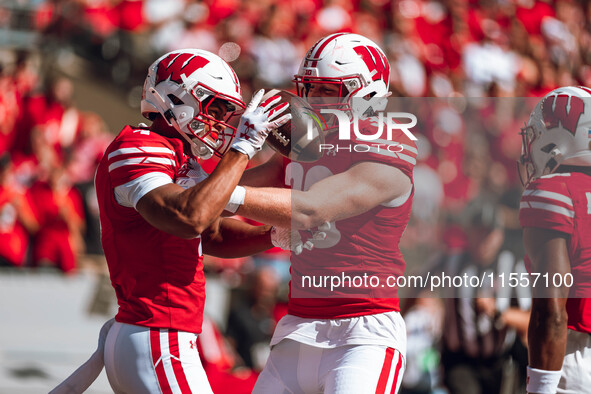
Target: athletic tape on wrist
pixel 540 381
pixel 245 147
pixel 236 199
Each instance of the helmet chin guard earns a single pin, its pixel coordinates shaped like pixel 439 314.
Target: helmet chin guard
pixel 200 150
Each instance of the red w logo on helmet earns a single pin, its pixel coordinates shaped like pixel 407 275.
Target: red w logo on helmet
pixel 174 65
pixel 375 61
pixel 554 112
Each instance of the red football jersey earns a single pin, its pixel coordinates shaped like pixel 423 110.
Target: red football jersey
pixel 14 238
pixel 158 277
pixel 562 202
pixel 359 247
pixel 52 241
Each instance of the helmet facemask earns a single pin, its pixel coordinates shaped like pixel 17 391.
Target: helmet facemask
pixel 212 133
pixel 347 87
pixel 525 166
pixel 349 97
pixel 532 164
pixel 189 113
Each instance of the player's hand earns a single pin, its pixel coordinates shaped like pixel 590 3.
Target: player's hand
pixel 318 235
pixel 257 121
pixel 287 239
pixel 190 174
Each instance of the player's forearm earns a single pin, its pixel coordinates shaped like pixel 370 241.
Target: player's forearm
pixel 233 238
pixel 548 253
pixel 204 202
pixel 187 213
pixel 267 205
pixel 547 334
pixel 287 208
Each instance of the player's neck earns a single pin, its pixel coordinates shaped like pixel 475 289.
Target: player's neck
pixel 159 126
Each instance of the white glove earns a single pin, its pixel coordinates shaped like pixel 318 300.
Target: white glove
pixel 319 235
pixel 287 239
pixel 190 174
pixel 257 121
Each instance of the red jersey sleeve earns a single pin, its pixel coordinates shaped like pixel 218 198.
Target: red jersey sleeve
pixel 399 151
pixel 138 152
pixel 547 203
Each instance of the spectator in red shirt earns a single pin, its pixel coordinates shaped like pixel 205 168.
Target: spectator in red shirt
pixel 9 109
pixel 58 208
pixel 53 114
pixel 16 219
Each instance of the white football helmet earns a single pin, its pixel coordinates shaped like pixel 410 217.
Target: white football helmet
pixel 181 85
pixel 557 133
pixel 356 64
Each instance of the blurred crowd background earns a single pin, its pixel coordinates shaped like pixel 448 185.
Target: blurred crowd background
pixel 71 74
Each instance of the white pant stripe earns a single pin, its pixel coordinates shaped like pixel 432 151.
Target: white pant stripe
pixel 391 382
pixel 167 363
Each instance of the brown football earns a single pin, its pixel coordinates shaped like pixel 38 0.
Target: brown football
pixel 291 140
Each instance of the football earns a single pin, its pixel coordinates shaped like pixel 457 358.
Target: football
pixel 291 140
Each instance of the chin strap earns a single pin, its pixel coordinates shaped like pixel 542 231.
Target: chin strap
pixel 162 107
pixel 552 164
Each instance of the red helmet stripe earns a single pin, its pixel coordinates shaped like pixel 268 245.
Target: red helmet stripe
pixel 586 89
pixel 236 82
pixel 309 54
pixel 325 43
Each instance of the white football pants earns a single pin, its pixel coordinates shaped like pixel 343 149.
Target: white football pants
pixel 576 367
pixel 297 368
pixel 148 360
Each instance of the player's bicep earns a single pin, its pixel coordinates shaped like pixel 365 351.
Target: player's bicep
pixel 362 187
pixel 388 185
pixel 161 207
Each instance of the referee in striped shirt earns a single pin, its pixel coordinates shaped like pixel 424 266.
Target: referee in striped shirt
pixel 483 323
